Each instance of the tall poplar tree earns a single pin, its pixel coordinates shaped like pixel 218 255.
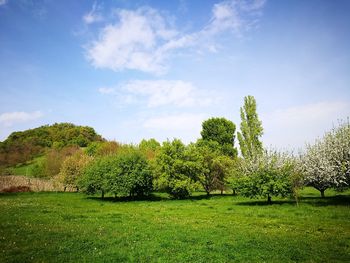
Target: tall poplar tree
pixel 251 129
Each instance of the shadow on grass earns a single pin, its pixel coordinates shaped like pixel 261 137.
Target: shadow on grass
pixel 340 200
pixel 128 199
pixel 155 198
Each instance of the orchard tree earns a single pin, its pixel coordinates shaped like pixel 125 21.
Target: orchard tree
pixel 221 131
pixel 326 164
pixel 251 129
pixel 269 174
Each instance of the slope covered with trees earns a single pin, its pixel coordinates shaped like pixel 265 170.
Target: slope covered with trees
pixel 22 146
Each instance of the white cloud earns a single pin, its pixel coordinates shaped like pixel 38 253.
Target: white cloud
pixel 144 39
pixel 132 43
pixel 94 15
pixel 3 2
pixel 180 122
pixel 156 93
pixel 295 126
pixel 10 118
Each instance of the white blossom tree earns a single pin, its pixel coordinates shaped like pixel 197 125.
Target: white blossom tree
pixel 326 164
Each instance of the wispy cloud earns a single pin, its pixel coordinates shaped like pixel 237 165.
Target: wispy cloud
pixel 94 15
pixel 3 2
pixel 176 122
pixel 156 93
pixel 143 39
pixel 10 118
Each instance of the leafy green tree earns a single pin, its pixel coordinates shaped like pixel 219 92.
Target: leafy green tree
pixel 269 174
pixel 133 176
pixel 213 167
pixel 175 169
pixel 124 174
pixel 97 176
pixel 222 131
pixel 251 129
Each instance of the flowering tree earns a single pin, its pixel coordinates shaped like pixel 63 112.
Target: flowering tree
pixel 268 174
pixel 326 164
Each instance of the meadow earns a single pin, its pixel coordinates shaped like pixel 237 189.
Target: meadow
pixel 71 227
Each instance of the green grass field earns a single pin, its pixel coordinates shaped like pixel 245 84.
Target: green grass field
pixel 25 169
pixel 70 227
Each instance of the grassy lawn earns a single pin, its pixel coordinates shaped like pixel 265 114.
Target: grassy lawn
pixel 60 227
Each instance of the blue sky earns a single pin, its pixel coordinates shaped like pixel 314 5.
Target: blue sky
pixel 143 69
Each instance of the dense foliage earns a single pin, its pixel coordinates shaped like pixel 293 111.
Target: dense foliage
pixel 22 146
pixel 176 169
pixel 221 131
pixel 125 174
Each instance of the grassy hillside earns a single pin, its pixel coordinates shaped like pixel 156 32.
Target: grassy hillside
pixel 60 227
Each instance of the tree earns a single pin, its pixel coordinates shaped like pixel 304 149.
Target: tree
pixel 222 131
pixel 269 174
pixel 133 176
pixel 326 163
pixel 73 168
pixel 251 129
pixel 124 174
pixel 175 169
pixel 149 147
pixel 96 176
pixel 213 167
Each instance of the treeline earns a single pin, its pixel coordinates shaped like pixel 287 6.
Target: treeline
pixel 212 163
pixel 21 147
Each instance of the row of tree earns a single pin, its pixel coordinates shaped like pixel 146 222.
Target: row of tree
pixel 212 163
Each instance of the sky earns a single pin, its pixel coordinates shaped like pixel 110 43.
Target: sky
pixel 156 69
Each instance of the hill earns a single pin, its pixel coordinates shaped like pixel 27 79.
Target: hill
pixel 22 146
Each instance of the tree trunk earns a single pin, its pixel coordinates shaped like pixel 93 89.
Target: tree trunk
pixel 64 189
pixel 222 191
pixel 269 199
pixel 322 193
pixel 103 194
pixel 208 193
